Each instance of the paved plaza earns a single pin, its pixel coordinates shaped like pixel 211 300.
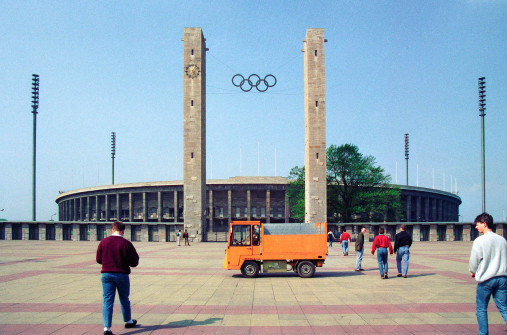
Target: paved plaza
pixel 53 287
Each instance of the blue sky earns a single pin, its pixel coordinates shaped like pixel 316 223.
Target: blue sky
pixel 392 67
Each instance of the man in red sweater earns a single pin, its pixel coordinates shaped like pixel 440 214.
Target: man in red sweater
pixel 117 255
pixel 344 240
pixel 381 243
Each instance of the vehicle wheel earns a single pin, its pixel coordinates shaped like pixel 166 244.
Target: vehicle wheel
pixel 306 269
pixel 250 269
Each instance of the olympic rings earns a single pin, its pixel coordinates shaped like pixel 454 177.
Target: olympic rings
pixel 254 80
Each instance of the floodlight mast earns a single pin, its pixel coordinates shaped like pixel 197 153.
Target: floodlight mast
pixel 482 113
pixel 406 153
pixel 35 107
pixel 113 151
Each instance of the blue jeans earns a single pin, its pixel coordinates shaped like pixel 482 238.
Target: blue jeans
pixel 403 253
pixel 496 286
pixel 382 261
pixel 110 283
pixel 359 258
pixel 345 246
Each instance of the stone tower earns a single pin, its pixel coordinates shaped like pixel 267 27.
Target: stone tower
pixel 315 126
pixel 194 133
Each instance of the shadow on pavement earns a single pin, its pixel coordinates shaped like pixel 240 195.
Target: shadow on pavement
pixel 140 329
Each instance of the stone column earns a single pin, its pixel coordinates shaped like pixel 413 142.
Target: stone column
pixel 97 208
pixel 118 207
pixel 144 233
pixel 440 211
pixel 467 232
pixel 194 130
pixel 93 232
pixel 315 126
pixel 229 206
pixel 211 212
pixel 416 232
pixel 287 209
pixel 268 206
pixel 131 207
pixel 145 209
pixel 87 209
pixel 249 205
pixel 162 233
pixel 58 232
pixel 8 231
pixel 107 206
pixel 175 194
pixel 449 233
pixel 75 232
pixel 42 231
pixel 433 232
pixel 160 209
pixel 25 231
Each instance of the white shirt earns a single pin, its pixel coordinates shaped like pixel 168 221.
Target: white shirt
pixel 488 258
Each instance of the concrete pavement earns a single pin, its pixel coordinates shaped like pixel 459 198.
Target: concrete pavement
pixel 53 287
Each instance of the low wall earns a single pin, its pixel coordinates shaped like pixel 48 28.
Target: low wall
pixel 166 232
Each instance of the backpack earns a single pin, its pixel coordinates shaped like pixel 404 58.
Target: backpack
pixel 178 234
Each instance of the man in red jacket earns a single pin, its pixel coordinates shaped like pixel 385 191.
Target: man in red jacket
pixel 117 255
pixel 381 243
pixel 344 240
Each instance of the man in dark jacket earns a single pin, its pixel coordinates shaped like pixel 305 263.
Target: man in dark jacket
pixel 402 243
pixel 360 249
pixel 117 255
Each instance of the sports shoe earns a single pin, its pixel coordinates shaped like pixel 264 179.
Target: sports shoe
pixel 131 324
pixel 399 275
pixel 357 270
pixel 385 276
pixel 108 332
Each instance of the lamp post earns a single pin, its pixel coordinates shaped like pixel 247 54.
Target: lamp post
pixel 113 151
pixel 35 107
pixel 482 113
pixel 406 153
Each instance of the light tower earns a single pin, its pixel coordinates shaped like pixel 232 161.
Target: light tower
pixel 406 153
pixel 35 107
pixel 113 152
pixel 482 113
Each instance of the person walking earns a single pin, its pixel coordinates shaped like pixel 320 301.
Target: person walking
pixel 381 243
pixel 344 240
pixel 360 249
pixel 116 255
pixel 402 243
pixel 178 237
pixel 488 265
pixel 185 237
pixel 330 238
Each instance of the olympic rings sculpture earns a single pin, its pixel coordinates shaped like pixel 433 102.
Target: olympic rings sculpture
pixel 246 84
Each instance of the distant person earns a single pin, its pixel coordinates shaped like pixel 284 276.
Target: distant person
pixel 360 249
pixel 402 243
pixel 330 238
pixel 488 264
pixel 185 237
pixel 178 237
pixel 117 255
pixel 344 240
pixel 381 243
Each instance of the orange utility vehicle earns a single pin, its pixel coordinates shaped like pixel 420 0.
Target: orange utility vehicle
pixel 276 247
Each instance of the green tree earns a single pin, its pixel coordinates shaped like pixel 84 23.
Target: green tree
pixel 358 187
pixel 296 193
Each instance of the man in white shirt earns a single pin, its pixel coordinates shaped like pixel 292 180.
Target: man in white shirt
pixel 488 264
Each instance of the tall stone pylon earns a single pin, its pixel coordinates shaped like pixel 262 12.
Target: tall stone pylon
pixel 315 126
pixel 194 133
